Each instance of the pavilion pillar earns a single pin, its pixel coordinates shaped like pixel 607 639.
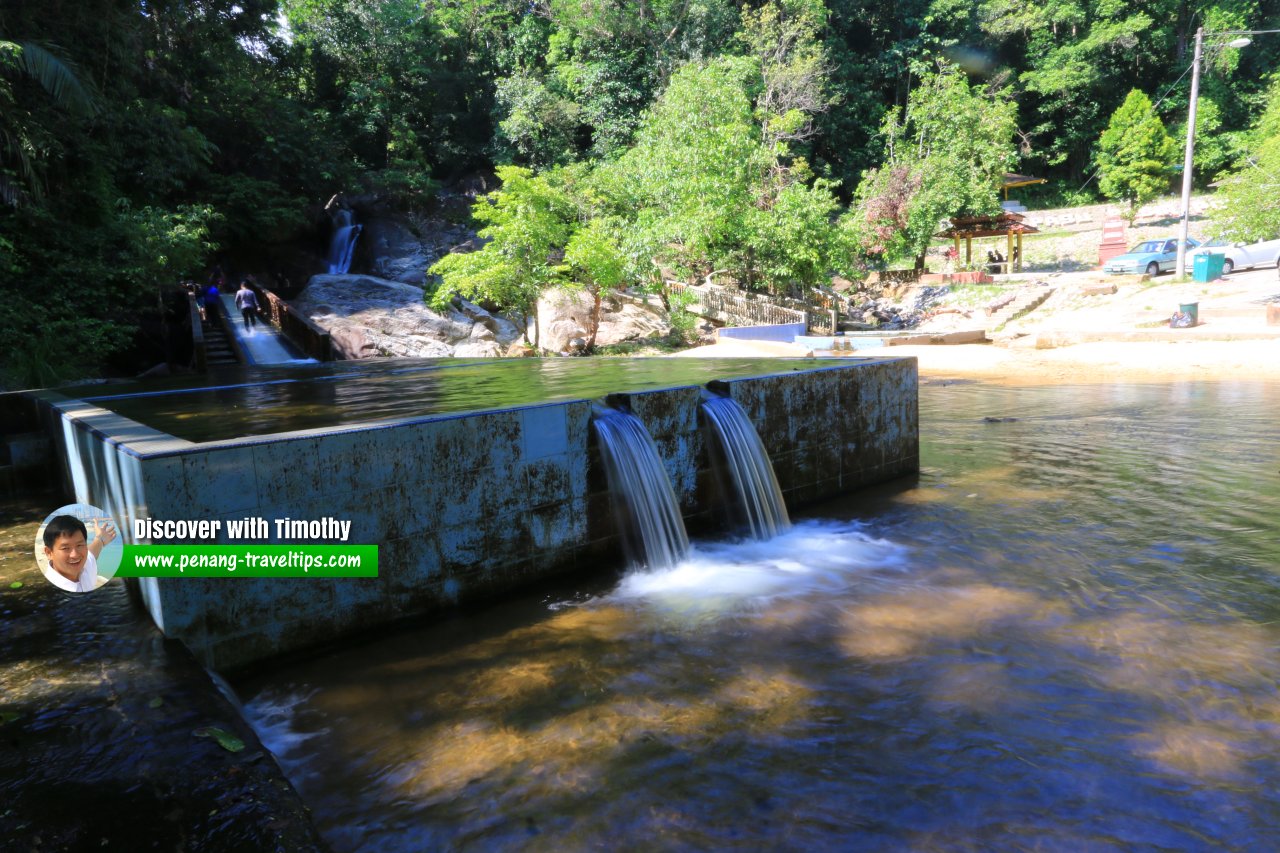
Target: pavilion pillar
pixel 968 250
pixel 1019 251
pixel 1008 252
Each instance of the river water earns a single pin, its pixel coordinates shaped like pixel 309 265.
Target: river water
pixel 268 399
pixel 1065 635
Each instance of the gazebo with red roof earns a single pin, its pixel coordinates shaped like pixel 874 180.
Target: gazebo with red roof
pixel 1011 226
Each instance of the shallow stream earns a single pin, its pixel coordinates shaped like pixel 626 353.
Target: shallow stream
pixel 1064 636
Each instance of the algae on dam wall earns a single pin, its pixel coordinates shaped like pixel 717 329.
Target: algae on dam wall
pixel 462 506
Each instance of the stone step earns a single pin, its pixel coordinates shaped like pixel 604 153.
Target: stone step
pixel 1021 306
pixel 217 345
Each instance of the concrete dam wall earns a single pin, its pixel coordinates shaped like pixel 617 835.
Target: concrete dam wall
pixel 463 505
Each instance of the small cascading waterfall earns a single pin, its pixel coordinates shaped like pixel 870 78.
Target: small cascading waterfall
pixel 342 245
pixel 742 456
pixel 641 490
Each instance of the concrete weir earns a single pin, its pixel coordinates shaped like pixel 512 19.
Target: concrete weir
pixel 462 504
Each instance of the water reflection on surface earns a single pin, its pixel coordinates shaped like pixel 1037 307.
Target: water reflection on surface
pixel 1065 635
pixel 265 400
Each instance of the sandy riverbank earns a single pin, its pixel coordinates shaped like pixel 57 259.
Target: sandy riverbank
pixel 1089 362
pixel 1096 337
pixel 1101 362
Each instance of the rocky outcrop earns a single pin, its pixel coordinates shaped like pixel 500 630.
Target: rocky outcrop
pixel 367 316
pixel 564 317
pixel 401 249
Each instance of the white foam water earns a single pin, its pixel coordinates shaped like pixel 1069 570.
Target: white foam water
pixel 814 556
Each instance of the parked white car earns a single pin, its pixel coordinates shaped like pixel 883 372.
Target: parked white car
pixel 1239 255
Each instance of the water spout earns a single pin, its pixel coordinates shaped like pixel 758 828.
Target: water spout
pixel 743 459
pixel 641 490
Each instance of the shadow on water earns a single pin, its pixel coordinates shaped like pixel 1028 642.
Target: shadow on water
pixel 1062 635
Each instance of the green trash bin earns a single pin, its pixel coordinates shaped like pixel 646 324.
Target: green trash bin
pixel 1207 267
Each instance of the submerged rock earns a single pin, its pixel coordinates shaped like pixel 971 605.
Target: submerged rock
pixel 368 317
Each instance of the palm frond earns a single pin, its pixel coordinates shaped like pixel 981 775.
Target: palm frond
pixel 59 78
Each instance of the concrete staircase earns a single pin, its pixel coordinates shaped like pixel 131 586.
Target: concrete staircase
pixel 218 346
pixel 1025 302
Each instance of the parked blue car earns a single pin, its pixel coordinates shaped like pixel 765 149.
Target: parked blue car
pixel 1151 257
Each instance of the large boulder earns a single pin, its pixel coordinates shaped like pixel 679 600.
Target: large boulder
pixel 367 316
pixel 564 318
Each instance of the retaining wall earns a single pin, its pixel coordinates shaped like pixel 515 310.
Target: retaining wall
pixel 462 507
pixel 784 332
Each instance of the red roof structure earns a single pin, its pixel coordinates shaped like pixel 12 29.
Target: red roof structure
pixel 1009 225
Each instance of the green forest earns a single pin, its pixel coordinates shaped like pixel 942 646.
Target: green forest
pixel 780 141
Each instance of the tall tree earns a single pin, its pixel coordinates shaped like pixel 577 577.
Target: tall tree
pixel 595 262
pixel 687 184
pixel 20 169
pixel 1135 154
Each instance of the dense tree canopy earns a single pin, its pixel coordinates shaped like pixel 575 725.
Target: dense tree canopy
pixel 140 141
pixel 1250 205
pixel 944 156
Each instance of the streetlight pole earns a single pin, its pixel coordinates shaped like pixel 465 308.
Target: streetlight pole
pixel 1181 268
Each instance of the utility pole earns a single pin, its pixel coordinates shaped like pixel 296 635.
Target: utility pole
pixel 1181 269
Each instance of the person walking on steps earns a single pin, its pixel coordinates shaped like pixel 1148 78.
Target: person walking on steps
pixel 247 302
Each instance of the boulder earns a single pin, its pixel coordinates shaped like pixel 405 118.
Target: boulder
pixel 367 316
pixel 480 349
pixel 565 315
pixel 500 328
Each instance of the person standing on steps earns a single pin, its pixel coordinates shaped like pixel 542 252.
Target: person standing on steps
pixel 210 301
pixel 247 302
